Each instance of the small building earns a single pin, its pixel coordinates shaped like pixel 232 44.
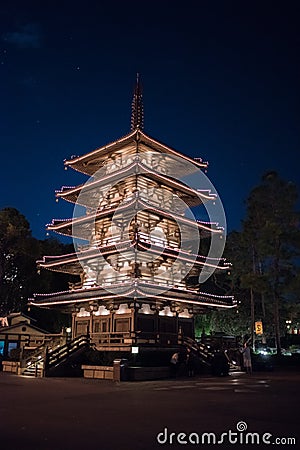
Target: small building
pixel 19 332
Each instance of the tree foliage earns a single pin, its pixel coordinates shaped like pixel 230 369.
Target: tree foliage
pixel 265 254
pixel 265 276
pixel 17 260
pixel 19 278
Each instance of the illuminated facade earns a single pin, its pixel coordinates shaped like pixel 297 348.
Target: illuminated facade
pixel 136 256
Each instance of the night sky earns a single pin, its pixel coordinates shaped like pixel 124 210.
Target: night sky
pixel 220 81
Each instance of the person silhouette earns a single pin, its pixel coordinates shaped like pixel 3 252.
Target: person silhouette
pixel 190 363
pixel 247 358
pixel 174 364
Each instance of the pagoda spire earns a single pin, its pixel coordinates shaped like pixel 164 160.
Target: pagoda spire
pixel 137 107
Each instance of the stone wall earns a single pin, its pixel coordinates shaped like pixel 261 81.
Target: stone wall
pixel 99 372
pixel 11 366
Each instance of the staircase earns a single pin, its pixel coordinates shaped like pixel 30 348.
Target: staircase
pixel 216 361
pixel 46 358
pixel 59 356
pixel 35 368
pixel 202 351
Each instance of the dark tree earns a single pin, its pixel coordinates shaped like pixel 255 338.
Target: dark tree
pixel 265 261
pixel 19 251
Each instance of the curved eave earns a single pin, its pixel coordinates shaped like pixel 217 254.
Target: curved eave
pixel 80 296
pixel 184 220
pixel 60 263
pixel 81 163
pixel 55 262
pixel 194 297
pixel 71 269
pixel 125 292
pixel 66 227
pixel 198 260
pixel 166 149
pixel 192 197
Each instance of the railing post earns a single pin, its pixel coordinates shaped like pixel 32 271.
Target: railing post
pixel 134 337
pixel 21 356
pixel 46 358
pixel 180 336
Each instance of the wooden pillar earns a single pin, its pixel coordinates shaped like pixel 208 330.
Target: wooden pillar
pixel 134 318
pixel 193 326
pixel 74 325
pixel 91 321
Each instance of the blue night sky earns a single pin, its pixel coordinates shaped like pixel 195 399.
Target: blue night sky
pixel 220 81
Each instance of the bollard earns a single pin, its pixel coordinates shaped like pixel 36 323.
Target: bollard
pixel 120 370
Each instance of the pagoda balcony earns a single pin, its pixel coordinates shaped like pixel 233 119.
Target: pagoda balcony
pixel 126 277
pixel 74 262
pixel 103 341
pixel 90 193
pixel 113 341
pixel 81 227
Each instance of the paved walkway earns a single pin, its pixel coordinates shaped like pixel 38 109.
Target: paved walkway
pixel 76 413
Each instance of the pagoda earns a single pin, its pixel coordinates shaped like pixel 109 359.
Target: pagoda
pixel 137 244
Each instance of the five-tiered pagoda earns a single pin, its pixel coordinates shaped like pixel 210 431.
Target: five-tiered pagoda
pixel 137 244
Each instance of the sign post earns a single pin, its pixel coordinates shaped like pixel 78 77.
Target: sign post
pixel 259 327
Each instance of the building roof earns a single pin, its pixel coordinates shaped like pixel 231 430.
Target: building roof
pixel 90 162
pixel 83 193
pixel 76 227
pixel 71 263
pixel 134 155
pixel 125 292
pixel 11 328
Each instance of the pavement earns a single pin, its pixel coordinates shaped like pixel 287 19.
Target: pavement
pixel 77 413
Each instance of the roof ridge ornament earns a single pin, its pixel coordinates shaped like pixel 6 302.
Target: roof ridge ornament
pixel 137 107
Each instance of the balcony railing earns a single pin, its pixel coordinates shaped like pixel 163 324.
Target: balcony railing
pixel 130 338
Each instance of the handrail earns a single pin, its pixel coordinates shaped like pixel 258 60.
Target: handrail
pixel 200 349
pixel 41 349
pixel 48 356
pixel 133 338
pixel 35 353
pixel 61 353
pixel 36 362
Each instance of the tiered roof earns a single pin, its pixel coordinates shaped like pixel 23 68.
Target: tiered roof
pixel 133 146
pixel 92 161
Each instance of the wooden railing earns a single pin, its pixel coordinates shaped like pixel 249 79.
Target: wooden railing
pixel 63 352
pixel 48 341
pixel 36 358
pixel 133 338
pixel 46 356
pixel 112 339
pixel 201 350
pixel 127 339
